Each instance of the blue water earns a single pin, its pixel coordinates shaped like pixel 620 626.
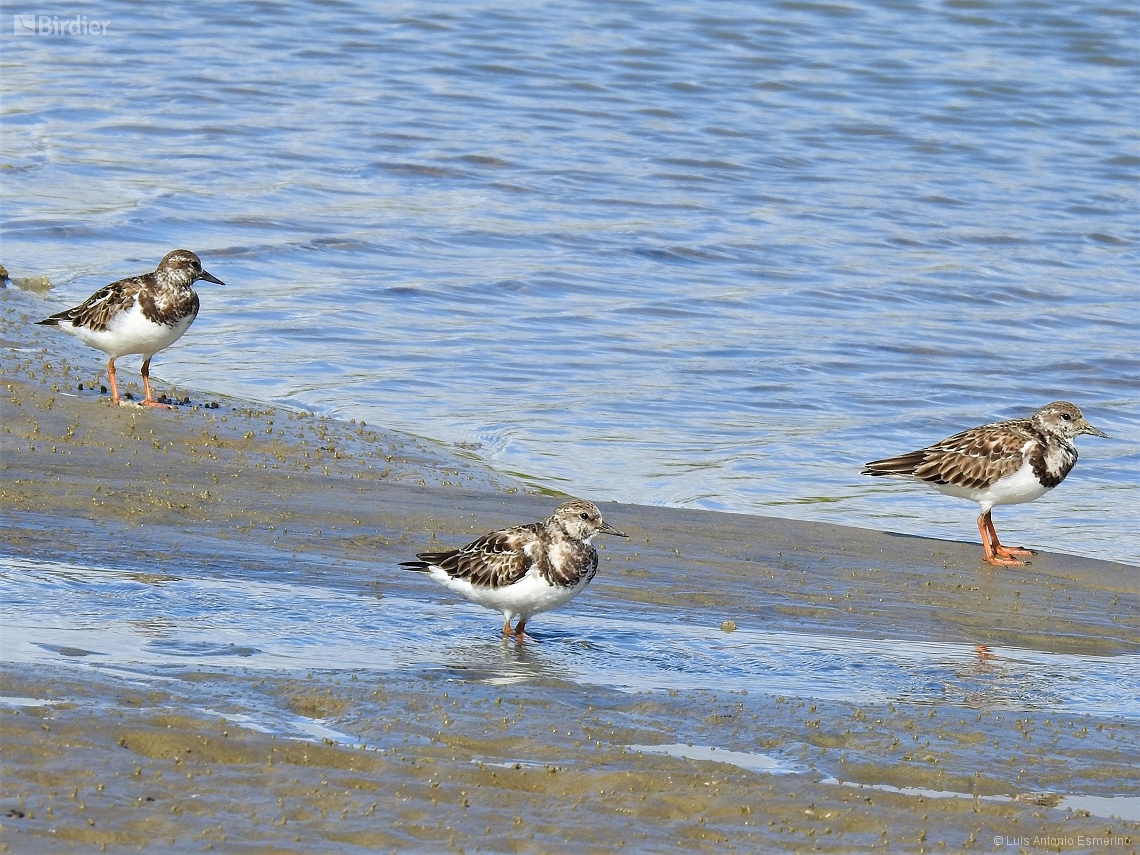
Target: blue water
pixel 149 644
pixel 152 626
pixel 712 256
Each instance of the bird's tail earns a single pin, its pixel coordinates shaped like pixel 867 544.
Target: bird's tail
pixel 904 464
pixel 427 560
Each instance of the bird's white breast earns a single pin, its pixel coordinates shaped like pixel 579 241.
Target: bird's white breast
pixel 130 332
pixel 1015 488
pixel 529 596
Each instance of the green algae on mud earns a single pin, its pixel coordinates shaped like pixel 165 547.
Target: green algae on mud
pixel 502 750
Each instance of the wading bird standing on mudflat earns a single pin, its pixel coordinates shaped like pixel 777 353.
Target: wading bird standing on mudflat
pixel 1003 463
pixel 524 570
pixel 141 314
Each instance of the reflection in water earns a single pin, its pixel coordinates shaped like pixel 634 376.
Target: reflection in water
pixel 280 626
pixel 503 661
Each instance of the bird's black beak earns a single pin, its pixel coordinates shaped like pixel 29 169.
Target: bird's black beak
pixel 209 277
pixel 605 528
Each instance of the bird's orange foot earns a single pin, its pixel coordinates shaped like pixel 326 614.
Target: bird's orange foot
pixel 152 403
pixel 1012 551
pixel 999 561
pixel 983 653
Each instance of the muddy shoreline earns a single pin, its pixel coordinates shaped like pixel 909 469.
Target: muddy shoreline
pixel 454 758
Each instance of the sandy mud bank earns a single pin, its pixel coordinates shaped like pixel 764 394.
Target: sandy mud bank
pixel 207 644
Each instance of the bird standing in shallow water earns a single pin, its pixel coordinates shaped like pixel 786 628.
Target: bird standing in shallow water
pixel 526 569
pixel 142 314
pixel 1003 463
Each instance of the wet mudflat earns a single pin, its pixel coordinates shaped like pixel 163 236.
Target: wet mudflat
pixel 207 644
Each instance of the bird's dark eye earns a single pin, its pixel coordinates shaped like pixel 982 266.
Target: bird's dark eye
pixel 1066 417
pixel 584 515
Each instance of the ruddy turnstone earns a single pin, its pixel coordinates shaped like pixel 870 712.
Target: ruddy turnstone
pixel 1003 463
pixel 142 314
pixel 525 569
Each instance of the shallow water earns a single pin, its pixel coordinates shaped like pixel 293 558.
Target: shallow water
pixel 149 623
pixel 391 719
pixel 137 629
pixel 634 251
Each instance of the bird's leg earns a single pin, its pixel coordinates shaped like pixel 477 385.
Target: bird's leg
pixel 519 628
pixel 507 624
pixel 111 380
pixel 148 399
pixel 1004 551
pixel 990 545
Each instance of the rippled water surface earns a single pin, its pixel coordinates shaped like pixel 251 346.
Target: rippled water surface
pixel 146 625
pixel 669 254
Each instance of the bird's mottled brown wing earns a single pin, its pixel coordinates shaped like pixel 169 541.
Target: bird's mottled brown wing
pixel 494 560
pixel 972 459
pixel 97 310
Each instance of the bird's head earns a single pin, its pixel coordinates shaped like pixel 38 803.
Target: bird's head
pixel 1065 420
pixel 581 520
pixel 184 268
